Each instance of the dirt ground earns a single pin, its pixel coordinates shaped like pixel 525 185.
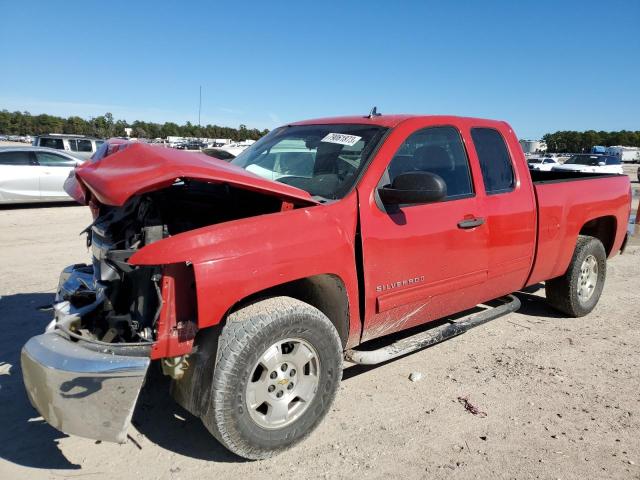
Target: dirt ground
pixel 561 396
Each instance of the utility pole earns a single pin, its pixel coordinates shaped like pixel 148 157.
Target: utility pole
pixel 200 106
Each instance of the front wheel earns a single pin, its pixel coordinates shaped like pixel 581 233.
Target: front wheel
pixel 577 292
pixel 278 370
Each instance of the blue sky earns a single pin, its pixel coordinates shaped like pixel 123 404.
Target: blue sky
pixel 540 65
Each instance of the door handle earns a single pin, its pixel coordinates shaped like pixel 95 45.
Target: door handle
pixel 470 223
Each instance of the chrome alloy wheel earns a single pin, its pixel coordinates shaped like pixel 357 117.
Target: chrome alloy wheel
pixel 588 278
pixel 283 383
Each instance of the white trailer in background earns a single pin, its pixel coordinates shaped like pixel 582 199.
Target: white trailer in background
pixel 533 146
pixel 626 154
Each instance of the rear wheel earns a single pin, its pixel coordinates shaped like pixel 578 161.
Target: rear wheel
pixel 278 370
pixel 577 292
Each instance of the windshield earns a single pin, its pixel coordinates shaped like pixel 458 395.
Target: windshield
pixel 324 160
pixel 535 160
pixel 592 160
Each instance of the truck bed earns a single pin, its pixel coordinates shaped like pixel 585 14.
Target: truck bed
pixel 574 203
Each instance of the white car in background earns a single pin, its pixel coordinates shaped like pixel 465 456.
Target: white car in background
pixel 543 164
pixel 591 163
pixel 237 148
pixel 34 174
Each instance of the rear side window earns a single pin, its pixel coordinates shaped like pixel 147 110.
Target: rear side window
pixel 15 158
pixel 495 163
pixel 52 143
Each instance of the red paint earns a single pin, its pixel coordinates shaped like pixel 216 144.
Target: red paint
pixel 564 208
pixel 528 236
pixel 461 267
pixel 256 253
pixel 176 326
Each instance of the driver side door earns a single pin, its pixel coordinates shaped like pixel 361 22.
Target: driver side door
pixel 423 261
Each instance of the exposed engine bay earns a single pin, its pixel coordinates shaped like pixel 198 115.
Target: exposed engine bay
pixel 114 303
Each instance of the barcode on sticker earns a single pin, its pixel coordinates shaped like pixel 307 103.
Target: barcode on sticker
pixel 342 139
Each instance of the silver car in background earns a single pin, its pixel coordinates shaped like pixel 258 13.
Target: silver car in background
pixel 78 146
pixel 34 174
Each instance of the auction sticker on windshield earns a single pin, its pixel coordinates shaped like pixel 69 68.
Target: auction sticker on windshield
pixel 342 139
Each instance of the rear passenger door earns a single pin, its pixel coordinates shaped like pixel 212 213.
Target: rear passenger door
pixel 509 208
pixel 18 177
pixel 424 261
pixel 53 170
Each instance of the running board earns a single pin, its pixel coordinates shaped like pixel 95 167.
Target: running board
pixel 433 336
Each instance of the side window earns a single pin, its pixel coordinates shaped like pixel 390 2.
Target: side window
pixel 52 160
pixel 73 145
pixel 437 150
pixel 495 163
pixel 52 143
pixel 15 158
pixel 84 146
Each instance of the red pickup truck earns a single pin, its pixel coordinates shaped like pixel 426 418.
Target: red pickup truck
pixel 249 282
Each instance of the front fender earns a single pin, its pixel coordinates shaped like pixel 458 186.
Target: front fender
pixel 239 258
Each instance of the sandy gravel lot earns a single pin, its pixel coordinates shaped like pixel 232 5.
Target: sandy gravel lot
pixel 561 396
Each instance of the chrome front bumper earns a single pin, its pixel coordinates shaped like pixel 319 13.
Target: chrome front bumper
pixel 80 391
pixel 89 392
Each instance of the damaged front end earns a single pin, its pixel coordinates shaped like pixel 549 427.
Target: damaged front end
pixel 113 317
pixel 79 381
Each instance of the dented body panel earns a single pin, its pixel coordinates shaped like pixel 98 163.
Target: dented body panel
pixel 254 254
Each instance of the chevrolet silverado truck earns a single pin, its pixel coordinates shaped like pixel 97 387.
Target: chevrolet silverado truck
pixel 250 282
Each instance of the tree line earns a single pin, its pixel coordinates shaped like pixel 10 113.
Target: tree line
pixel 577 142
pixel 104 126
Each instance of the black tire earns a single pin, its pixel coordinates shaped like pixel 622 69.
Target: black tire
pixel 562 292
pixel 249 332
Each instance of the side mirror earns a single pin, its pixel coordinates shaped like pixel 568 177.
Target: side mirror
pixel 414 187
pixel 602 164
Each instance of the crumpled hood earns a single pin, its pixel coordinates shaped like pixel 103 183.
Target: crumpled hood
pixel 140 168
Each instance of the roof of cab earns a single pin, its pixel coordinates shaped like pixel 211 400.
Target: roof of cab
pixel 389 121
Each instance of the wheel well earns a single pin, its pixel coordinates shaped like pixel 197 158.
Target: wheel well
pixel 602 228
pixel 326 292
